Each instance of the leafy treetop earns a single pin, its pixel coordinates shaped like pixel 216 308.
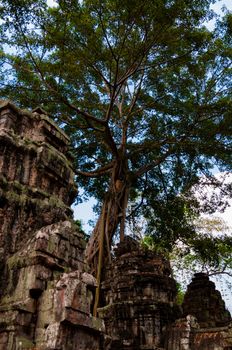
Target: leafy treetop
pixel 142 88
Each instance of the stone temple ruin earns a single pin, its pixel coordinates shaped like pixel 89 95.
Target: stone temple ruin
pixel 46 292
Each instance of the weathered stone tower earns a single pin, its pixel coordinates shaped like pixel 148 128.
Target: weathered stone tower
pixel 140 298
pixel 36 177
pixel 204 302
pixel 206 324
pixel 45 294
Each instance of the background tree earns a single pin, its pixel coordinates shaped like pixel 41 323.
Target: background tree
pixel 142 88
pixel 208 251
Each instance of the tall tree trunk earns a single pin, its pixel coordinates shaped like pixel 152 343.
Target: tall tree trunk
pixel 112 215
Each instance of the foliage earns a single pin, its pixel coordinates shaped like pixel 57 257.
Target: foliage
pixel 180 294
pixel 142 88
pixel 208 250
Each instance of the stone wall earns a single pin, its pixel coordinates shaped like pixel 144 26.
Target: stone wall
pixel 186 334
pixel 48 294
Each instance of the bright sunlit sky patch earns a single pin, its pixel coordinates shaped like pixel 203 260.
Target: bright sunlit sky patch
pixel 216 7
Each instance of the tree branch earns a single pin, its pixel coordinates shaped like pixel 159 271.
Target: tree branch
pixel 98 172
pixel 153 164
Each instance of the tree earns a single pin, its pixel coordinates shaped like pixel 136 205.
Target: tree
pixel 208 250
pixel 142 88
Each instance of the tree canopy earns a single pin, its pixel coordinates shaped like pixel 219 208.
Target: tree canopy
pixel 144 91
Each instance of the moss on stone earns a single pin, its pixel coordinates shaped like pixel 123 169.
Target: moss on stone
pixel 24 343
pixel 13 197
pixel 23 112
pixel 20 194
pixel 58 130
pixel 6 300
pixel 104 309
pixel 15 262
pixel 97 323
pixel 53 152
pixel 23 142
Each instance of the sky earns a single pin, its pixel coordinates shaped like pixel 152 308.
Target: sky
pixel 216 7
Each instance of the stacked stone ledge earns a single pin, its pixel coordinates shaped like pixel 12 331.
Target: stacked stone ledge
pixel 204 302
pixel 140 310
pixel 139 296
pixel 205 322
pixel 46 294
